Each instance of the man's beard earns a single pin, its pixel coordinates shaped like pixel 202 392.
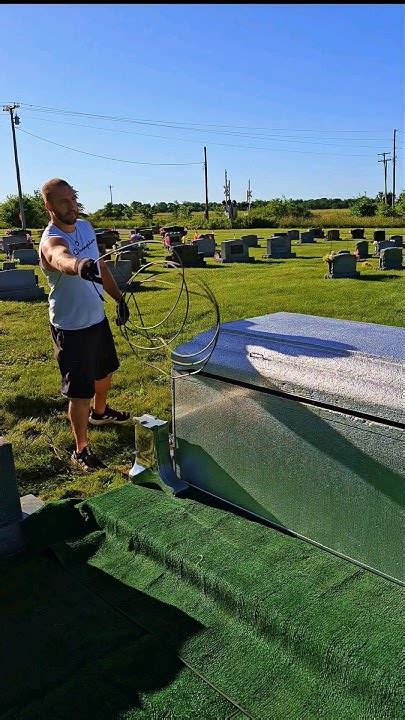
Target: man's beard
pixel 66 219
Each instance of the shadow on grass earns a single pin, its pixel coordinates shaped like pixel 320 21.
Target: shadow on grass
pixel 23 406
pixel 81 657
pixel 379 278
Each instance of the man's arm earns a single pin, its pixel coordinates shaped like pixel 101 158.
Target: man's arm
pixel 109 284
pixel 57 256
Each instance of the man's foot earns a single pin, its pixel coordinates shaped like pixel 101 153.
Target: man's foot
pixel 109 416
pixel 86 460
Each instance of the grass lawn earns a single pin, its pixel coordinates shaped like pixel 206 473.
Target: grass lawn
pixel 137 605
pixel 33 413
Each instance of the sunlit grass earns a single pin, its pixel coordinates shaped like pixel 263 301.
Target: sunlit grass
pixel 33 413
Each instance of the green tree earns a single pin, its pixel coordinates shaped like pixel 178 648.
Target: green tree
pixel 363 206
pixel 147 213
pixel 35 214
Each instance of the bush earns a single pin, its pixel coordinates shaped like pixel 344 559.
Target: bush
pixel 363 205
pixel 34 210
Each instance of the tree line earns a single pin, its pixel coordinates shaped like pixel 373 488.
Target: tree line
pixel 269 210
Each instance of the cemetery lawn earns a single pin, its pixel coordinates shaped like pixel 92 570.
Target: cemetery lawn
pixel 33 413
pixel 136 605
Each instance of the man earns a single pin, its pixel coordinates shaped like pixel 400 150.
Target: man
pixel 83 343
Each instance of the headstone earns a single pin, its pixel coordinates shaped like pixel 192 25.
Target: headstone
pixel 173 229
pixel 19 246
pixel 146 232
pixel 333 235
pixel 107 237
pixel 279 247
pixel 378 235
pixel 293 234
pixel 234 251
pixel 397 240
pixel 26 257
pixel 249 240
pixel 172 238
pixel 318 232
pixel 121 271
pixel 155 229
pixel 357 233
pixel 134 256
pixel 20 285
pixel 307 237
pixel 280 234
pixel 342 265
pixel 8 265
pixel 187 255
pixel 381 245
pixel 7 240
pixel 205 245
pixel 362 250
pixel 10 505
pixel 391 258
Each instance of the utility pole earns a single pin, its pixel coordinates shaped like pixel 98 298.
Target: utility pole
pixel 227 192
pixel 206 183
pixel 110 186
pixel 394 158
pixel 385 161
pixel 16 121
pixel 249 196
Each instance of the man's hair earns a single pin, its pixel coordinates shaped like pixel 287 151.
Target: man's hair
pixel 50 185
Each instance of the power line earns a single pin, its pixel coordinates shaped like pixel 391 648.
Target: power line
pixel 103 157
pixel 306 141
pixel 246 147
pixel 137 120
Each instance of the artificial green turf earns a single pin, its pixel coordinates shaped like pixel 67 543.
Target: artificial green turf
pixel 280 627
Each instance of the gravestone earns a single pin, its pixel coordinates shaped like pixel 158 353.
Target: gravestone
pixel 134 256
pixel 333 235
pixel 20 285
pixel 293 234
pixel 146 232
pixel 397 240
pixel 280 234
pixel 234 251
pixel 26 257
pixel 8 265
pixel 121 270
pixel 391 259
pixel 173 229
pixel 381 245
pixel 249 240
pixel 10 505
pixel 318 232
pixel 362 250
pixel 107 237
pixel 378 235
pixel 27 245
pixel 205 245
pixel 16 241
pixel 357 233
pixel 279 247
pixel 342 265
pixel 307 237
pixel 187 254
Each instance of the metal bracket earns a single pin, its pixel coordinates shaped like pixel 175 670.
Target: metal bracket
pixel 160 430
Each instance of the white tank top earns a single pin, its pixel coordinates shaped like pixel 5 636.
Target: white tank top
pixel 73 302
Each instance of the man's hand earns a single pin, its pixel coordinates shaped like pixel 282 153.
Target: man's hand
pixel 87 269
pixel 122 312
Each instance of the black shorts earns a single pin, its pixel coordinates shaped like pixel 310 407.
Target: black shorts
pixel 84 356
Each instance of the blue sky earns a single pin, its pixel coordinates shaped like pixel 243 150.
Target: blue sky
pixel 312 92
